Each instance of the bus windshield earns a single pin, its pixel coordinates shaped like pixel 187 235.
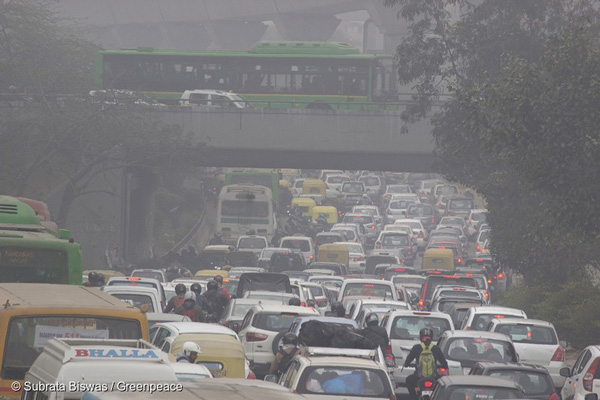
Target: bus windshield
pixel 233 208
pixel 265 180
pixel 31 265
pixel 27 336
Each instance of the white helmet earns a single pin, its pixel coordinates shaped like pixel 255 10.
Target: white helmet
pixel 191 347
pixel 189 295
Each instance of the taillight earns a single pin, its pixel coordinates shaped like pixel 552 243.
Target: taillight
pixel 255 337
pixel 588 378
pixel 311 257
pixel 433 220
pixel 478 247
pixel 486 294
pixel 554 396
pixel 392 397
pixel 559 354
pixel 459 260
pixel 500 275
pixel 251 375
pixel 303 304
pixel 372 227
pixel 389 212
pixel 443 371
pixel 410 250
pixel 421 235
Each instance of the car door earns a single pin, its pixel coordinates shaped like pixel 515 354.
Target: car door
pixel 574 380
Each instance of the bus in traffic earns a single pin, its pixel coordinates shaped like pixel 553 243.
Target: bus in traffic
pixel 317 75
pixel 32 314
pixel 242 208
pixel 32 253
pixel 259 176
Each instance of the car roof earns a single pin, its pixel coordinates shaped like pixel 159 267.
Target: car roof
pixel 477 380
pixel 523 321
pixel 423 314
pixel 333 320
pixel 133 289
pixel 198 327
pixel 498 310
pixel 129 279
pixel 477 335
pixel 340 361
pixel 373 281
pixel 284 309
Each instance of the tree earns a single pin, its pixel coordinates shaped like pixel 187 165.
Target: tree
pixel 520 128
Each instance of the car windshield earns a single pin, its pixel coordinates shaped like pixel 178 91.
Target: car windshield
pixel 464 392
pixel 358 219
pixel 268 253
pixel 368 290
pixel 302 245
pixel 461 204
pixel 533 383
pixel 349 234
pixel 252 243
pixel 327 282
pixel 390 240
pixel 446 304
pixel 478 349
pixel 465 294
pixel 370 180
pixel 481 321
pixel 354 248
pixel 345 381
pixel 529 334
pixel 353 187
pixel 136 300
pixel 369 211
pixel 483 236
pixel 337 179
pixel 317 291
pixel 407 327
pixel 402 279
pixel 274 322
pixel 481 216
pixel 447 190
pixel 452 221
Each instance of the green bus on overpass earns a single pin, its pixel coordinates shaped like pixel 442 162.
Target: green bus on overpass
pixel 317 75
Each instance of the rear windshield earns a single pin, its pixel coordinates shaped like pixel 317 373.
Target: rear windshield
pixel 132 283
pixel 400 204
pixel 302 245
pixel 240 310
pixel 435 281
pixel 398 189
pixel 482 393
pixel 460 293
pixel 407 327
pixel 316 291
pixel 353 187
pixel 460 204
pixel 446 190
pixel 481 321
pixel 337 179
pixel 368 289
pixel 390 240
pixel 358 219
pixel 420 210
pixel 349 234
pixel 345 381
pixel 369 211
pixel 400 279
pixel 136 300
pixel 445 305
pixel 533 383
pixel 252 243
pixel 478 349
pixel 529 334
pixel 274 322
pixel 148 274
pixel 370 180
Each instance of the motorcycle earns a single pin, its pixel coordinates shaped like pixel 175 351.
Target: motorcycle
pixel 425 388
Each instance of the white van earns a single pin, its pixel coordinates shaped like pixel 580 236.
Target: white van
pixel 67 368
pixel 212 98
pixel 302 244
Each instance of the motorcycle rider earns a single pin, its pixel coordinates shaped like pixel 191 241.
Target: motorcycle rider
pixel 375 333
pixel 217 239
pixel 337 310
pixel 213 300
pixel 428 350
pixel 219 280
pixel 176 300
pixel 190 353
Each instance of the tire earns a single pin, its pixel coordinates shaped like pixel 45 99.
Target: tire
pixel 276 340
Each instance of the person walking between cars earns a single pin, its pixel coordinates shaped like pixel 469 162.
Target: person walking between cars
pixel 190 309
pixel 285 354
pixel 375 333
pixel 190 353
pixel 176 300
pixel 213 300
pixel 427 355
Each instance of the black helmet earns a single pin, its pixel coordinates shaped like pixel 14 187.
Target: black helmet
pixel 100 278
pixel 339 309
pixel 372 319
pixel 290 338
pixel 218 279
pixel 426 332
pixel 180 288
pixel 92 276
pixel 212 285
pixel 196 288
pixel 294 301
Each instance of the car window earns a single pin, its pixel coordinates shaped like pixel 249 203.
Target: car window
pixel 302 245
pixel 446 190
pixel 353 187
pixel 394 240
pixel 400 204
pixel 420 210
pixel 478 349
pixel 481 393
pixel 398 189
pixel 274 322
pixel 529 334
pixel 289 377
pixel 481 320
pixel 349 234
pixel 252 243
pixel 533 383
pixel 240 310
pixel 460 204
pixel 246 320
pixel 136 300
pixel 407 327
pixel 345 381
pixel 360 219
pixel 337 179
pixel 368 289
pixel 161 336
pixel 584 361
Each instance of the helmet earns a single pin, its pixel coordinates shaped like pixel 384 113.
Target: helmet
pixel 100 278
pixel 372 318
pixel 290 338
pixel 196 288
pixel 92 276
pixel 190 296
pixel 426 332
pixel 294 301
pixel 191 347
pixel 218 279
pixel 212 285
pixel 338 308
pixel 180 288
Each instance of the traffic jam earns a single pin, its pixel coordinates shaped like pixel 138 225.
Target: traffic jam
pixel 326 284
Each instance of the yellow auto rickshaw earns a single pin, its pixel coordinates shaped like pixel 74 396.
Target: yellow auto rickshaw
pixel 314 187
pixel 335 253
pixel 222 354
pixel 211 273
pixel 442 259
pixel 305 204
pixel 284 183
pixel 330 212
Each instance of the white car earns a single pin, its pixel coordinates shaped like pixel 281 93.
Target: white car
pixel 458 291
pixel 368 288
pixel 137 297
pixel 351 231
pixel 477 216
pixel 372 211
pixel 252 243
pixel 396 209
pixel 477 318
pixel 357 310
pixel 403 327
pixel 391 190
pixel 584 378
pixel 261 326
pixel 302 244
pixel 212 98
pixel 356 255
pixel 334 182
pixel 419 229
pixel 160 332
pixel 536 342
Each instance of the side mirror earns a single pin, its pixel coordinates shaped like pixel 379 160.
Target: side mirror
pixel 566 372
pixel 271 378
pixel 235 327
pixel 563 344
pixel 311 303
pixel 591 396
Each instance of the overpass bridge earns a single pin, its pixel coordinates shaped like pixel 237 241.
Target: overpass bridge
pixel 301 138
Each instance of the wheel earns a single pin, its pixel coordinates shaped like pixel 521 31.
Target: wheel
pixel 276 340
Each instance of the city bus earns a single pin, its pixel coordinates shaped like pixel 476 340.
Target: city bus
pixel 264 177
pixel 318 75
pixel 242 208
pixel 30 252
pixel 34 313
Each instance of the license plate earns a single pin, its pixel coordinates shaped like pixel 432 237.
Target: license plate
pixel 426 393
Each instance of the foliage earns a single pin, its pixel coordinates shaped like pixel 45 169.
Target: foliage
pixel 573 309
pixel 521 127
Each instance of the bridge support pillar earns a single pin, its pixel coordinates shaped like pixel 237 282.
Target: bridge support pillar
pixel 388 27
pixel 235 35
pixel 306 27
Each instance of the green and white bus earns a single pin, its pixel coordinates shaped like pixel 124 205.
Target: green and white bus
pixel 321 75
pixel 30 252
